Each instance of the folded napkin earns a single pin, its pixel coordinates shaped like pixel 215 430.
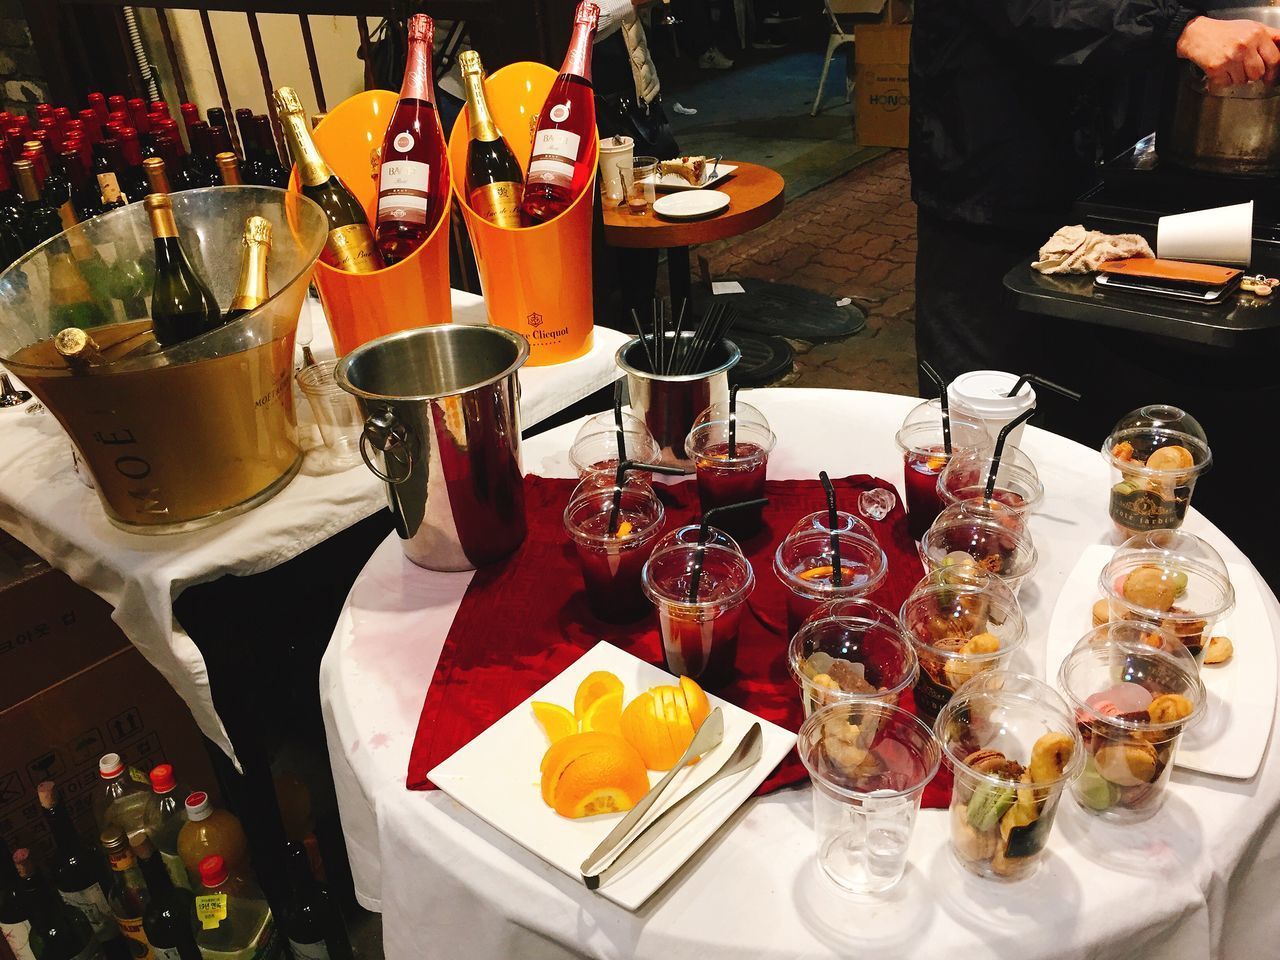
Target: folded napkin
pixel 524 620
pixel 1077 250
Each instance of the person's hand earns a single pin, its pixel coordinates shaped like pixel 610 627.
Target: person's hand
pixel 1231 52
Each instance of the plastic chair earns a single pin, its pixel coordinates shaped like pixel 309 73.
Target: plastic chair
pixel 841 33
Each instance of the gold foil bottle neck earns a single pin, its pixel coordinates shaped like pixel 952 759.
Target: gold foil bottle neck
pixel 76 345
pixel 421 27
pixel 469 62
pixel 287 101
pixel 159 207
pixel 257 230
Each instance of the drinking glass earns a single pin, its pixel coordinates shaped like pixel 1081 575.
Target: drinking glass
pixel 336 412
pixel 641 189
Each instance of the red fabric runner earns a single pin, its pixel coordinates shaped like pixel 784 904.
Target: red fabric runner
pixel 525 619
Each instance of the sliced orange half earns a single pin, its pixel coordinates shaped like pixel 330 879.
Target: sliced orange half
pixel 592 688
pixel 557 722
pixel 604 714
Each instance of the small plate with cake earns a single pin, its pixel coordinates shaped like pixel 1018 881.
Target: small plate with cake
pixel 691 173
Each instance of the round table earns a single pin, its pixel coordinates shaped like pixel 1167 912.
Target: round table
pixel 1195 881
pixel 755 198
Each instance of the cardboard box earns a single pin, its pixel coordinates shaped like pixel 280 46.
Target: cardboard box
pixel 882 93
pixel 72 688
pixel 875 11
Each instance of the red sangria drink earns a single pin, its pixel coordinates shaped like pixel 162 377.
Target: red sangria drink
pixel 730 452
pixel 924 456
pixel 1017 487
pixel 805 563
pixel 699 635
pixel 612 561
pixel 598 452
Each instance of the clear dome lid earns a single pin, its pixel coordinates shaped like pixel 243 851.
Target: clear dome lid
pixel 921 430
pixel 1158 440
pixel 719 413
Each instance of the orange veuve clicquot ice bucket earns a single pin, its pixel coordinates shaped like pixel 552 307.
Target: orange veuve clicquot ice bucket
pixel 414 292
pixel 536 280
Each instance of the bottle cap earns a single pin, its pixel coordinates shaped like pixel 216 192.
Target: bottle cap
pixel 421 27
pixel 162 780
pixel 112 838
pixel 110 766
pixel 213 871
pixel 257 230
pixel 198 806
pixel 287 101
pixel 469 62
pixel 587 12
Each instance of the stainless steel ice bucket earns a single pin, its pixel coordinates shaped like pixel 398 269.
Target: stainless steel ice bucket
pixel 442 430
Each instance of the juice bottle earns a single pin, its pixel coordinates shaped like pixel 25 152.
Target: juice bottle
pixel 122 795
pixel 164 819
pixel 235 919
pixel 211 832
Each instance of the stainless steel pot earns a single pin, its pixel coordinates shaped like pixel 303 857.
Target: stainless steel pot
pixel 1233 130
pixel 442 430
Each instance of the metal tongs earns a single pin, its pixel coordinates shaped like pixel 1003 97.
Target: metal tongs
pixel 631 836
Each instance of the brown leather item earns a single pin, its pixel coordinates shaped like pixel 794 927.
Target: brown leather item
pixel 1177 271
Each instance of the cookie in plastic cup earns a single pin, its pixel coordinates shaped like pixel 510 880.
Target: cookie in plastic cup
pixel 1156 454
pixel 1012 744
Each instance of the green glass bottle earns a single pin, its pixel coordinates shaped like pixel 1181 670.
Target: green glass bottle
pixel 182 305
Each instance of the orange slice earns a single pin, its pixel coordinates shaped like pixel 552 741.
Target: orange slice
pixel 607 777
pixel 592 688
pixel 624 529
pixel 557 722
pixel 696 702
pixel 563 752
pixel 604 715
pixel 815 572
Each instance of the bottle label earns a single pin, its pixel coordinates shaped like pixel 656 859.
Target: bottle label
pixel 403 142
pixel 554 155
pixel 308 951
pixel 499 203
pixel 177 870
pixel 18 937
pixel 109 188
pixel 211 910
pixel 1140 509
pixel 351 248
pixel 135 937
pixel 92 905
pixel 402 190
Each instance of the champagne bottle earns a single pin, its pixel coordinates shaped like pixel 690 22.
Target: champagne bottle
pixel 182 306
pixel 15 919
pixel 228 169
pixel 562 164
pixel 494 181
pixel 350 244
pixel 157 176
pixel 413 179
pixel 251 289
pixel 42 219
pixel 57 931
pixel 274 175
pixel 79 349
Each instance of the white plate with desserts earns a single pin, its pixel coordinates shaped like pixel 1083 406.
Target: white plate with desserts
pixel 1232 738
pixel 496 776
pixel 691 173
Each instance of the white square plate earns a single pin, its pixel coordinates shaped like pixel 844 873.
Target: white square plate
pixel 673 181
pixel 1232 738
pixel 495 776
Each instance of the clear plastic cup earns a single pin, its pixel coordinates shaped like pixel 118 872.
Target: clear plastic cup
pixel 851 650
pixel 804 562
pixel 960 629
pixel 699 636
pixel 336 413
pixel 605 423
pixel 845 523
pixel 1147 495
pixel 1013 746
pixel 598 452
pixel 869 763
pixel 924 455
pixel 969 575
pixel 996 546
pixel 641 184
pixel 1132 702
pixel 728 475
pixel 1173 580
pixel 690 533
pixel 611 564
pixel 1017 488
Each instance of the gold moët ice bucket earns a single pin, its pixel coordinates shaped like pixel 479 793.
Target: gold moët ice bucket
pixel 180 437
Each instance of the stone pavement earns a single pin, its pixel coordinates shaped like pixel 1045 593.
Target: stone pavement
pixel 853 237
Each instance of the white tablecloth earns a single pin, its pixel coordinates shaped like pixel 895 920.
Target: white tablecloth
pixel 1195 881
pixel 47 508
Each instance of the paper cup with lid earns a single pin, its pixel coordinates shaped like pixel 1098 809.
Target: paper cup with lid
pixel 1156 454
pixel 984 396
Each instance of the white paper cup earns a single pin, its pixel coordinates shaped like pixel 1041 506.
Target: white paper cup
pixel 615 157
pixel 982 395
pixel 1218 235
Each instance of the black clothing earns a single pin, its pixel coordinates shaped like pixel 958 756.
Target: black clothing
pixel 1013 101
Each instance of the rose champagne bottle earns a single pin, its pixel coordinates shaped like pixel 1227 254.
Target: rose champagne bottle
pixel 413 180
pixel 562 161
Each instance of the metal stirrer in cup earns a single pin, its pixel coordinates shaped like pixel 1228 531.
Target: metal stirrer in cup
pixel 1042 382
pixel 733 422
pixel 933 375
pixel 615 511
pixel 1007 429
pixel 704 532
pixel 833 521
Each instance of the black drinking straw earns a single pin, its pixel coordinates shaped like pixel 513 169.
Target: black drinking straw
pixel 833 521
pixel 1007 429
pixel 617 421
pixel 1042 382
pixel 644 341
pixel 733 422
pixel 620 477
pixel 705 531
pixel 933 375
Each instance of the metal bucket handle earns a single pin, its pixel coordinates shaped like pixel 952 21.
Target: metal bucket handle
pixel 384 433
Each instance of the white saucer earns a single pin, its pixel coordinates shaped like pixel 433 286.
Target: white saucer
pixel 691 204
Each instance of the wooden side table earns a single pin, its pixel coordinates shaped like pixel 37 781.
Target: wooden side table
pixel 755 198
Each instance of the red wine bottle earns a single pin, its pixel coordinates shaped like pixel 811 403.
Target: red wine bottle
pixel 562 160
pixel 413 179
